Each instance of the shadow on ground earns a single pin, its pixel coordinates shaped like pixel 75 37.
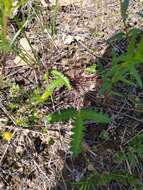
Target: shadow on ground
pixel 104 141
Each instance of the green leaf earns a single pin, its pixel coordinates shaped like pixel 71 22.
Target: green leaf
pixel 59 81
pixel 105 87
pixel 120 157
pixel 79 118
pixel 49 90
pixel 91 69
pixel 136 75
pixel 4 43
pixel 62 115
pixel 128 82
pixel 114 58
pixel 90 114
pixel 139 51
pixel 64 79
pixel 20 30
pixel 132 44
pixel 78 134
pixel 124 8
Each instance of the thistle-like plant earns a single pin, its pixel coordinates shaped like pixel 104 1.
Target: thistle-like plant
pixel 58 81
pixel 126 65
pixel 78 117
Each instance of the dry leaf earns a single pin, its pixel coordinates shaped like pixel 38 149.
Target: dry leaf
pixel 26 56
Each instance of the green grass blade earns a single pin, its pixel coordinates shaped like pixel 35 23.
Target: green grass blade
pixel 137 76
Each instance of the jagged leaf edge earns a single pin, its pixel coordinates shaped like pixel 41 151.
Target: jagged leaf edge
pixel 62 115
pixel 63 78
pixel 77 136
pixel 91 114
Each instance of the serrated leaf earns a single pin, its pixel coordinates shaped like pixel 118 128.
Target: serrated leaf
pixel 63 78
pixel 78 131
pixel 78 134
pixel 62 115
pixel 79 118
pixel 90 114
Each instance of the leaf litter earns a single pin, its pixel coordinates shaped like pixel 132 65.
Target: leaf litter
pixel 39 157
